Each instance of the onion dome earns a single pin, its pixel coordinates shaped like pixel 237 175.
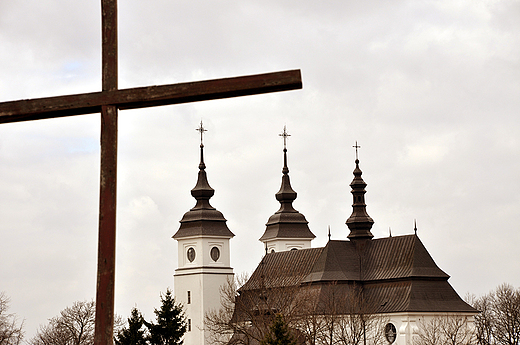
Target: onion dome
pixel 359 221
pixel 286 222
pixel 203 219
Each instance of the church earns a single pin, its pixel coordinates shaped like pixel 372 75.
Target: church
pixel 358 290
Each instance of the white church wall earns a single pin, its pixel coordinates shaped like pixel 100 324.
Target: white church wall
pixel 284 244
pixel 405 326
pixel 408 324
pixel 188 292
pixel 222 244
pixel 201 280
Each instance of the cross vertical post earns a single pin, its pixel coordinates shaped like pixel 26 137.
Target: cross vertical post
pixel 105 289
pixel 108 102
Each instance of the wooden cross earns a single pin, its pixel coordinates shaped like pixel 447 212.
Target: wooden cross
pixel 108 101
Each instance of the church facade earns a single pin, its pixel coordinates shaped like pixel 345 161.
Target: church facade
pixel 387 286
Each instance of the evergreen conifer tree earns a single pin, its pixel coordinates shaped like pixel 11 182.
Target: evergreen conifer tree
pixel 170 323
pixel 279 333
pixel 134 334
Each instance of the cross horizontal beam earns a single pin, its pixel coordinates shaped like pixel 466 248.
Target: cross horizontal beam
pixel 141 97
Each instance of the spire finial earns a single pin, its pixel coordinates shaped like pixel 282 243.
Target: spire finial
pixel 286 194
pixel 201 130
pixel 285 135
pixel 286 222
pixel 415 226
pixel 329 232
pixel 356 147
pixel 390 231
pixel 203 219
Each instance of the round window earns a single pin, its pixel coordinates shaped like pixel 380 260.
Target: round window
pixel 215 253
pixel 191 254
pixel 390 333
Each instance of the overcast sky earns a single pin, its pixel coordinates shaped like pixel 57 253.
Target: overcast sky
pixel 429 89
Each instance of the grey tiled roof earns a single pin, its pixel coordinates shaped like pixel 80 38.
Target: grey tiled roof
pixel 282 269
pixel 286 222
pixel 380 259
pixel 395 274
pixel 203 219
pixel 287 225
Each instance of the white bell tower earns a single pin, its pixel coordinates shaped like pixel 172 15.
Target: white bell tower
pixel 203 258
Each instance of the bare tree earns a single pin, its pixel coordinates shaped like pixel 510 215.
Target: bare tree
pixel 318 314
pixel 74 326
pixel 498 322
pixel 245 316
pixel 506 304
pixel 446 330
pixel 353 319
pixel 11 332
pixel 312 324
pixel 219 321
pixel 484 320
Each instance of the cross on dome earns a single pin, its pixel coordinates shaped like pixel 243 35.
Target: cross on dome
pixel 201 129
pixel 285 135
pixel 357 147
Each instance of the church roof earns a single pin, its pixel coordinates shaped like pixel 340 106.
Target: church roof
pixel 415 296
pixel 390 258
pixel 286 222
pixel 380 259
pixel 281 269
pixel 203 219
pixel 393 274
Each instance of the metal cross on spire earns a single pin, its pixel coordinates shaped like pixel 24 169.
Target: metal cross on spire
pixel 357 147
pixel 201 129
pixel 285 135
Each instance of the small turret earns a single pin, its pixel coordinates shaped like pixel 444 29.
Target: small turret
pixel 286 229
pixel 203 219
pixel 359 221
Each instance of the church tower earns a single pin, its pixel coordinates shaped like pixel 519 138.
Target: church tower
pixel 203 257
pixel 287 229
pixel 359 221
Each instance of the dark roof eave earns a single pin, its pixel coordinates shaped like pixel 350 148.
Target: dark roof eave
pixel 203 228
